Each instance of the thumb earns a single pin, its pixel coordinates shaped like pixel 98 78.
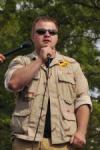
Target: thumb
pixel 71 139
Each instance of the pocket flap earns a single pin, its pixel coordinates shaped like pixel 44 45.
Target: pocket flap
pixel 69 116
pixel 66 78
pixel 21 112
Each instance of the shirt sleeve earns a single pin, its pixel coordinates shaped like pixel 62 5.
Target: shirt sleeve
pixel 82 89
pixel 13 66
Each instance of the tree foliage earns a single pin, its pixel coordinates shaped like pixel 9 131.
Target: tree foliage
pixel 79 32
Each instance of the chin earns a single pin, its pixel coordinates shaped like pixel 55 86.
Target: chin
pixel 46 44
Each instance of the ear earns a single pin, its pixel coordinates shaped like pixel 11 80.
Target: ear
pixel 32 37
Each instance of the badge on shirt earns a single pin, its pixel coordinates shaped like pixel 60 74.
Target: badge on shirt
pixel 63 63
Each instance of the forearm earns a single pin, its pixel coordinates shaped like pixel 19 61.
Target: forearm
pixel 82 115
pixel 23 76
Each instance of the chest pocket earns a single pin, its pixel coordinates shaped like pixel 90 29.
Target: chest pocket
pixel 66 87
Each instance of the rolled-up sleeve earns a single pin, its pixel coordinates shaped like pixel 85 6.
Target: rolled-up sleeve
pixel 82 89
pixel 13 66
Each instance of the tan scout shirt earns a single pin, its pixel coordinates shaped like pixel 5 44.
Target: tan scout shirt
pixel 67 89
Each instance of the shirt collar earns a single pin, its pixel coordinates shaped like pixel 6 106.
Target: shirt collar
pixel 58 57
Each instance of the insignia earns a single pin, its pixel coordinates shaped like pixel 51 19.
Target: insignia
pixel 63 63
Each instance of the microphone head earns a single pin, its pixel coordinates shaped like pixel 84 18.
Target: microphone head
pixel 48 56
pixel 26 45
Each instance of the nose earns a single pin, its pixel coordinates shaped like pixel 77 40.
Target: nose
pixel 47 33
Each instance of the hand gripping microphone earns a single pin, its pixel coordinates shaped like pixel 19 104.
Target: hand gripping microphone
pixel 24 45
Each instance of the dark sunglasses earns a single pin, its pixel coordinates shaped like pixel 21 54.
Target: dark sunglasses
pixel 43 31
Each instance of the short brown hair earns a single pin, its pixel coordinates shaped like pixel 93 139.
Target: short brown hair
pixel 44 18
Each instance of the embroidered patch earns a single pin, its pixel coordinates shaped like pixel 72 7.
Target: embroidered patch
pixel 63 63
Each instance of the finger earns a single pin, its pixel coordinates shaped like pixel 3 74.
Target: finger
pixel 80 140
pixel 71 139
pixel 79 143
pixel 2 57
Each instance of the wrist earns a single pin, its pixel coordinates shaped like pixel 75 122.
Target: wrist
pixel 83 132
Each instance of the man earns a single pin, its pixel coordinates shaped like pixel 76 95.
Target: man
pixel 2 58
pixel 52 105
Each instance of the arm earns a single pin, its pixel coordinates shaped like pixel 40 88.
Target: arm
pixel 24 75
pixel 82 116
pixel 83 106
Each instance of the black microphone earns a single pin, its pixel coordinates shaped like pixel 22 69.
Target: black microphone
pixel 49 59
pixel 22 46
pixel 48 56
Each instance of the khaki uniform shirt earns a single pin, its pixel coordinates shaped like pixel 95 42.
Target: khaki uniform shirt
pixel 66 87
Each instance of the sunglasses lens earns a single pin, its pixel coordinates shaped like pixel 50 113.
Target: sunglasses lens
pixel 43 31
pixel 52 32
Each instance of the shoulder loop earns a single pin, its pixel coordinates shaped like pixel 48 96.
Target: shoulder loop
pixel 28 58
pixel 31 56
pixel 69 59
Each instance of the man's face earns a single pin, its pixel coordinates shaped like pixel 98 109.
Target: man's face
pixel 45 34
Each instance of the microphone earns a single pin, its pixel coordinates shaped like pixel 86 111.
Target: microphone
pixel 48 56
pixel 22 46
pixel 49 59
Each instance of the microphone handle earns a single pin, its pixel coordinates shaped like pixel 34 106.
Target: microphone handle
pixel 11 52
pixel 49 60
pixel 23 46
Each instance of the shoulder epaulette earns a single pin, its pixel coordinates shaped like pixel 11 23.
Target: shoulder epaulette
pixel 69 59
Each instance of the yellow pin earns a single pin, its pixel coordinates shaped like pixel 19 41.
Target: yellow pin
pixel 63 63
